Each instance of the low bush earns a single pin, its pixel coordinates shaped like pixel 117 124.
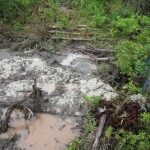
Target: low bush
pixel 16 9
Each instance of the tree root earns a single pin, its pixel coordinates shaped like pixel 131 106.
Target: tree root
pixel 26 104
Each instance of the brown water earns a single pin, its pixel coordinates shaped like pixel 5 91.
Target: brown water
pixel 43 132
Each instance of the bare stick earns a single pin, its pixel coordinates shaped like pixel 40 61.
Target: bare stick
pixel 99 132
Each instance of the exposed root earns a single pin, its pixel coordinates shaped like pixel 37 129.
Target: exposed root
pixel 33 98
pixel 31 113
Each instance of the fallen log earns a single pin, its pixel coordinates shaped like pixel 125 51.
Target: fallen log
pixel 99 132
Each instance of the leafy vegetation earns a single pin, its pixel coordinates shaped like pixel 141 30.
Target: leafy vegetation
pixel 92 101
pixel 127 140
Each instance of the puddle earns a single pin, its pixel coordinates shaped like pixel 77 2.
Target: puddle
pixel 70 86
pixel 46 132
pixel 80 62
pixel 5 54
pixel 49 88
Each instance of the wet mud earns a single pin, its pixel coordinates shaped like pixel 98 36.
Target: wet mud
pixel 64 80
pixel 5 54
pixel 43 131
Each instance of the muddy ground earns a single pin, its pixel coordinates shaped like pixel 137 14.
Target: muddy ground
pixel 64 78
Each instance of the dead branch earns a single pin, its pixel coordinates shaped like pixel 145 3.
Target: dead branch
pixel 70 39
pixel 86 29
pixel 95 50
pixel 79 28
pixel 99 132
pixel 101 50
pixel 70 33
pixel 80 39
pixel 105 59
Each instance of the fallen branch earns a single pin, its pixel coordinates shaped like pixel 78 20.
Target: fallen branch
pixel 99 132
pixel 105 59
pixel 70 33
pixel 70 39
pixel 86 29
pixel 101 50
pixel 79 28
pixel 95 50
pixel 80 39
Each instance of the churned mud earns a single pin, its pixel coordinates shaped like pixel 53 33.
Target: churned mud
pixel 55 77
pixel 64 79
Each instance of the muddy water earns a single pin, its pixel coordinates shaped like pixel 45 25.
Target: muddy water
pixel 43 132
pixel 79 62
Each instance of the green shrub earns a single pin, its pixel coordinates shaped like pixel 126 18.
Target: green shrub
pixel 93 100
pixel 90 123
pixel 145 119
pixel 144 37
pixel 133 88
pixel 17 26
pixel 114 8
pixel 125 26
pixel 131 58
pixel 130 141
pixel 16 9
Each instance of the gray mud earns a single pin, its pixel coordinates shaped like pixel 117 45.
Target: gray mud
pixel 66 78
